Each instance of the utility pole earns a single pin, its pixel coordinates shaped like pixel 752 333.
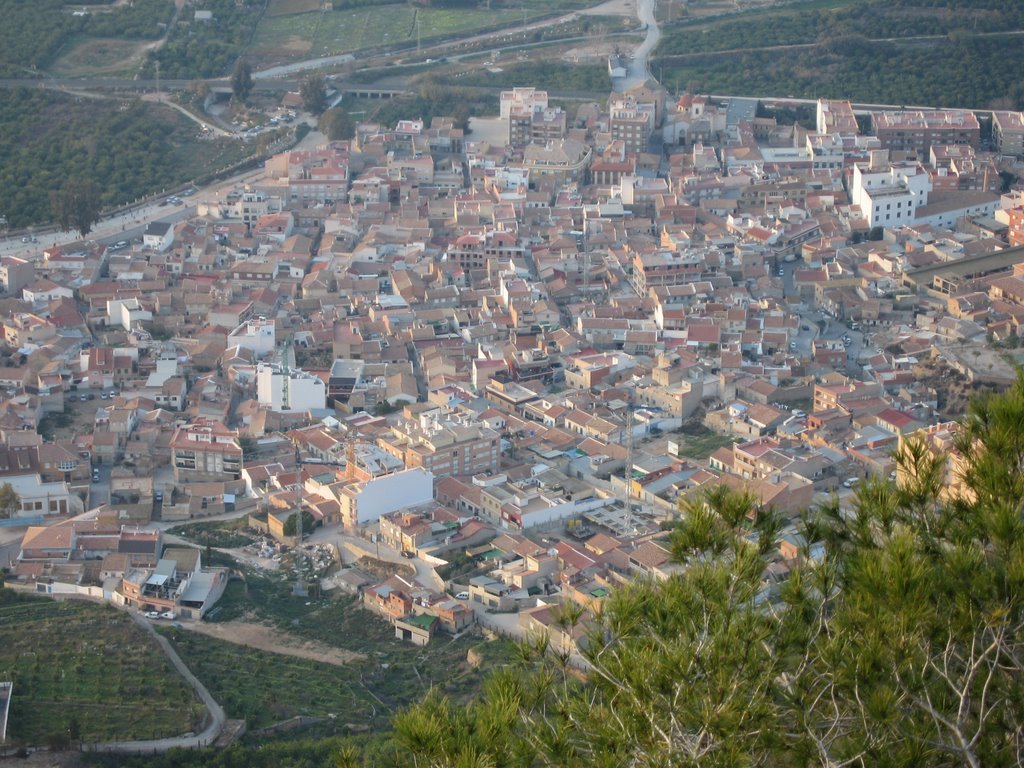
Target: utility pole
pixel 629 464
pixel 158 79
pixel 300 582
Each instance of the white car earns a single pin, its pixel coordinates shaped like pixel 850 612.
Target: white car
pixel 462 596
pixel 152 614
pixel 169 615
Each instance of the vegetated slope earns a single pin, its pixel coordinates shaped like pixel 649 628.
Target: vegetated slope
pixel 802 23
pixel 842 53
pixel 34 32
pixel 130 149
pixel 86 672
pixel 975 72
pixel 207 48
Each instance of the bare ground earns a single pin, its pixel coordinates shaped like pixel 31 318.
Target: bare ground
pixel 266 638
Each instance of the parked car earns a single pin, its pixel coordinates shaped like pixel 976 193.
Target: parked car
pixel 158 496
pixel 408 554
pixel 462 596
pixel 169 615
pixel 152 614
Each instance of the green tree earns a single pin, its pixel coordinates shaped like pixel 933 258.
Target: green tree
pixel 241 81
pixel 336 124
pixel 307 524
pixel 10 502
pixel 77 205
pixel 249 447
pixel 895 641
pixel 313 90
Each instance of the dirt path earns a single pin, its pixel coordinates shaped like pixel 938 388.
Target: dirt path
pixel 266 638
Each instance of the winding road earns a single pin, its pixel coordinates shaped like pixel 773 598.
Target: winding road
pixel 154 746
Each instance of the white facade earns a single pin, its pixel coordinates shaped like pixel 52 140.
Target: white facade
pixel 158 236
pixel 390 493
pixel 127 313
pixel 44 498
pixel 889 196
pixel 289 389
pixel 258 335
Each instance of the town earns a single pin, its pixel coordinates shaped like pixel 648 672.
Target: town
pixel 511 355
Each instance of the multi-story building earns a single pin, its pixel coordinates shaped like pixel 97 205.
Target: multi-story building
pixel 836 117
pixel 632 122
pixel 445 444
pixel 206 450
pixel 520 100
pixel 537 127
pixel 318 176
pixel 917 131
pixel 557 162
pixel 666 267
pixel 1008 132
pixel 289 389
pixel 15 274
pixel 890 194
pixel 257 335
pixel 475 251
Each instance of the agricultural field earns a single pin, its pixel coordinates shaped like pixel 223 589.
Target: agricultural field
pixel 280 39
pixel 382 674
pixel 97 676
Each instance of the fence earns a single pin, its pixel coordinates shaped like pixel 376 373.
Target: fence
pixel 14 522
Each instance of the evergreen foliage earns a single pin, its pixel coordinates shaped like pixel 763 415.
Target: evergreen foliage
pixel 895 642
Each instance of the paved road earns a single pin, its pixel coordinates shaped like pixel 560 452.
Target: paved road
pixel 302 66
pixel 154 746
pixel 637 70
pixel 124 225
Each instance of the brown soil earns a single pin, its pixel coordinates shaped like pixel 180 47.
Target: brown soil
pixel 266 638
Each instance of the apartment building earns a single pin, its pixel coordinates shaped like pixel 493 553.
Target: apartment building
pixel 632 123
pixel 1008 133
pixel 664 267
pixel 445 444
pixel 475 251
pixel 206 450
pixel 289 390
pixel 916 131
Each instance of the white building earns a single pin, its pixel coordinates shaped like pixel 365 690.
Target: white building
pixel 889 194
pixel 289 389
pixel 365 502
pixel 159 236
pixel 127 313
pixel 258 335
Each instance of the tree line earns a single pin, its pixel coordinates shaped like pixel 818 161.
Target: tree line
pixel 33 33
